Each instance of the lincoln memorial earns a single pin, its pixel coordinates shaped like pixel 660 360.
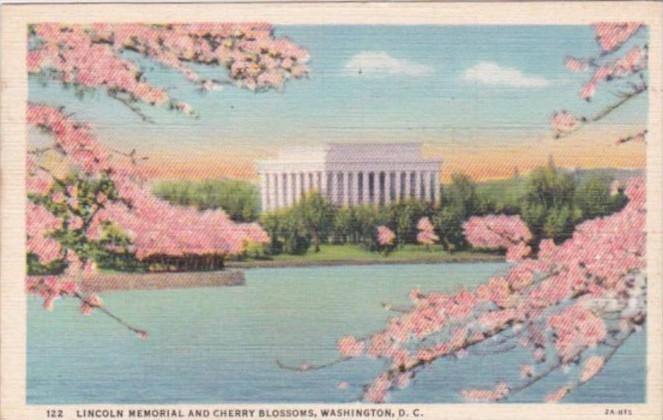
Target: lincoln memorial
pixel 349 174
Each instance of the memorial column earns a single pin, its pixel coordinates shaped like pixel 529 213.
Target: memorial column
pixel 264 192
pixel 298 186
pixel 287 187
pixel 346 188
pixel 334 187
pixel 427 180
pixel 278 190
pixel 408 185
pixel 322 176
pixel 355 188
pixel 387 187
pixel 397 186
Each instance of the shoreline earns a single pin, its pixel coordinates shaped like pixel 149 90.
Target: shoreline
pixel 247 265
pixel 233 275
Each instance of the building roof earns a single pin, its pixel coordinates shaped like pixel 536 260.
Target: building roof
pixel 352 152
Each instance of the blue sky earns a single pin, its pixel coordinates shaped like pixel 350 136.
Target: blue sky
pixel 441 85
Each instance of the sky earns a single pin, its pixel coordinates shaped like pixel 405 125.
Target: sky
pixel 478 97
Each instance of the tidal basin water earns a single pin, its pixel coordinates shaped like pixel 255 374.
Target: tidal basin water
pixel 213 345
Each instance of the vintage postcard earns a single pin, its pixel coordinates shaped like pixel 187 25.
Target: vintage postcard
pixel 332 210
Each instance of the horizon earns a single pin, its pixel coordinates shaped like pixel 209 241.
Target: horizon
pixel 445 180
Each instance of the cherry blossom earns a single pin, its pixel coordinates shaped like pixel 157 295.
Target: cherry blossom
pixel 578 301
pixel 611 36
pixel 350 347
pixel 564 121
pixel 591 367
pixel 527 371
pixel 91 188
pixel 499 232
pixel 426 235
pixel 156 228
pixel 500 391
pixel 576 65
pixel 625 71
pixel 385 236
pixel 93 57
pixel 558 395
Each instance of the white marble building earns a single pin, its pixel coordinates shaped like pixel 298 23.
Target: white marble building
pixel 349 174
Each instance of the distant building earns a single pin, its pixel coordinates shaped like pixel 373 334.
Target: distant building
pixel 349 174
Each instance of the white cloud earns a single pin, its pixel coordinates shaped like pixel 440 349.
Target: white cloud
pixel 379 63
pixel 490 73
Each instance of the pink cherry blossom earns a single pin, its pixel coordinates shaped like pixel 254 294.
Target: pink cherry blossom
pixel 588 90
pixel 576 65
pixel 75 222
pixel 350 347
pixel 555 306
pixel 500 391
pixel 156 227
pixel 90 56
pixel 526 371
pixel 591 367
pixel 377 391
pixel 611 36
pixel 609 65
pixel 563 121
pixel 385 236
pixel 499 232
pixel 576 328
pixel 558 395
pixel 632 62
pixel 426 235
pixel 518 252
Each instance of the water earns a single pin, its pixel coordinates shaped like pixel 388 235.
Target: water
pixel 212 345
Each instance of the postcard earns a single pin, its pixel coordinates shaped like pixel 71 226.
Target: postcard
pixel 331 210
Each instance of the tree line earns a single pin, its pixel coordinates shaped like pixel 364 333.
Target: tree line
pixel 552 203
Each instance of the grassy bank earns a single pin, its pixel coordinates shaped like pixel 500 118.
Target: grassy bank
pixel 355 255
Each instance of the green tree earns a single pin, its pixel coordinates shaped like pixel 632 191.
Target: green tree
pixel 460 200
pixel 448 222
pixel 344 223
pixel 548 204
pixel 316 215
pixel 274 225
pixel 237 198
pixel 366 219
pixel 403 218
pixel 462 195
pixel 296 236
pixel 593 198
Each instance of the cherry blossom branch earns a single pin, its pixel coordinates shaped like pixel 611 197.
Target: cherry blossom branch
pixel 131 155
pixel 86 301
pixel 131 106
pixel 564 391
pixel 51 289
pixel 639 136
pixel 583 121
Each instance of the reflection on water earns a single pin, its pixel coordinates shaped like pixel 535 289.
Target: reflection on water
pixel 212 345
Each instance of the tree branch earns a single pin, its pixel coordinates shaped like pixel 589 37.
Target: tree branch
pixel 638 90
pixel 135 109
pixel 139 332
